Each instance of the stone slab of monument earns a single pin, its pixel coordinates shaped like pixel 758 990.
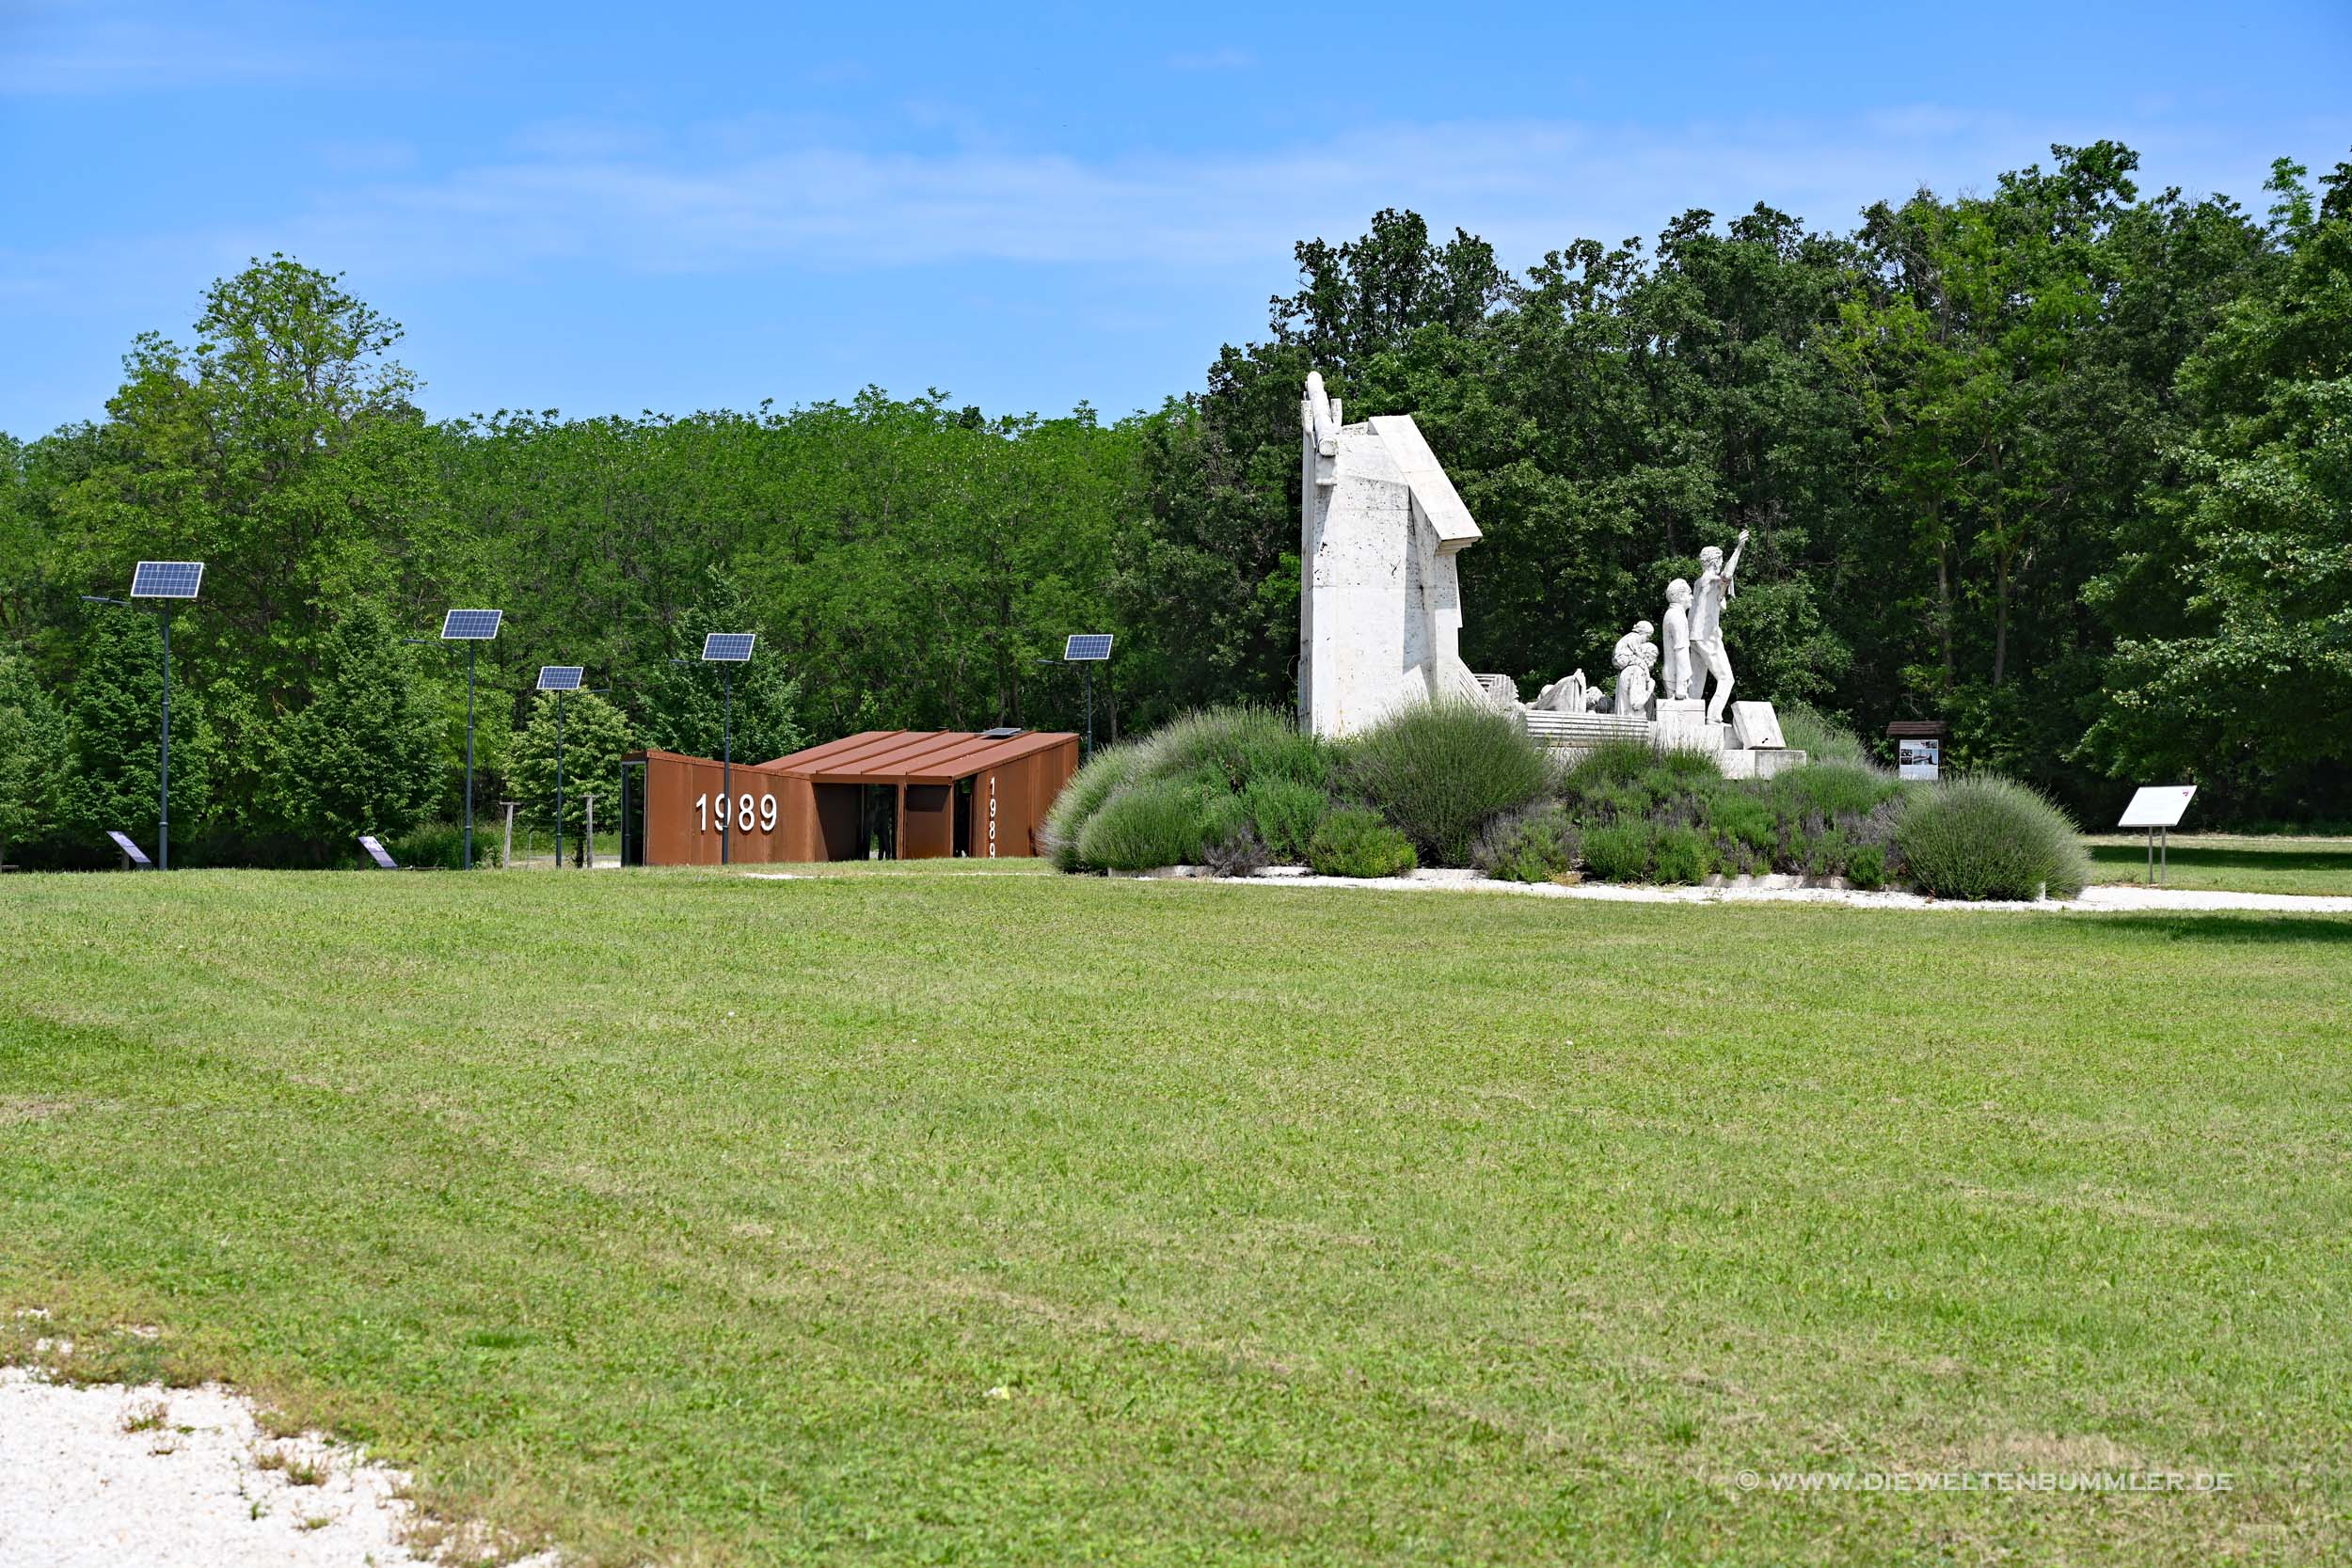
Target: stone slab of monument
pixel 1754 724
pixel 1762 762
pixel 1380 599
pixel 1682 726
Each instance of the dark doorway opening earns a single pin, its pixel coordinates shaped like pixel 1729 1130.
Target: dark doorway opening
pixel 841 821
pixel 632 813
pixel 880 839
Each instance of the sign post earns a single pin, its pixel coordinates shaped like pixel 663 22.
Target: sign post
pixel 2158 808
pixel 134 858
pixel 1918 748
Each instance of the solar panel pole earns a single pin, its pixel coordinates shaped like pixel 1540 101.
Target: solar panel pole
pixel 726 743
pixel 726 754
pixel 470 653
pixel 162 788
pixel 559 780
pixel 1090 649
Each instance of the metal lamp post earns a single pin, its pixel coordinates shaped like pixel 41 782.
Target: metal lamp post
pixel 1088 649
pixel 163 581
pixel 472 627
pixel 563 680
pixel 726 649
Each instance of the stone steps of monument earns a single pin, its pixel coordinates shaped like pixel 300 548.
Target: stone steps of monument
pixel 1585 729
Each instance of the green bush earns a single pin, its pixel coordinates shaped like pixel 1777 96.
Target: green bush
pixel 442 846
pixel 1285 812
pixel 1825 791
pixel 1607 765
pixel 1222 816
pixel 1817 820
pixel 1824 854
pixel 1688 769
pixel 1441 771
pixel 1081 797
pixel 1628 801
pixel 1241 743
pixel 1618 851
pixel 1234 851
pixel 1983 836
pixel 1147 825
pixel 1820 737
pixel 1215 759
pixel 1353 841
pixel 1680 855
pixel 1538 844
pixel 1745 828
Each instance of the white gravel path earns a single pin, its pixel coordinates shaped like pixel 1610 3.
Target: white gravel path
pixel 2109 899
pixel 1791 890
pixel 188 1489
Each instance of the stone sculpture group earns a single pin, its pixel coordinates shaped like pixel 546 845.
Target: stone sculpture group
pixel 1380 613
pixel 1694 645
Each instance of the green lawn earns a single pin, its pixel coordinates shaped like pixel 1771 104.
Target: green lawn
pixel 941 1216
pixel 2229 862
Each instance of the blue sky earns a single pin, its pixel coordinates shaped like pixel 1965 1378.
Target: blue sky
pixel 603 208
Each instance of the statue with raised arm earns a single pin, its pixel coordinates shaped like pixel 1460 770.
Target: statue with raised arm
pixel 1634 656
pixel 1677 637
pixel 1706 626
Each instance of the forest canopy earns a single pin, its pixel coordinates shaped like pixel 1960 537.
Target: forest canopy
pixel 2066 464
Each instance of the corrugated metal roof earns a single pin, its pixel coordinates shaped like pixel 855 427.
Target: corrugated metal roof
pixel 924 756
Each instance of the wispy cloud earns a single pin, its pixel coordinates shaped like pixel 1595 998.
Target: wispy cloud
pixel 1529 185
pixel 745 197
pixel 72 50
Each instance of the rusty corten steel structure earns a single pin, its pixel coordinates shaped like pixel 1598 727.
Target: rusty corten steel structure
pixel 898 794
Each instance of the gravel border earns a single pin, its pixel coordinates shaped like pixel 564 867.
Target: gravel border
pixel 2108 899
pixel 106 1476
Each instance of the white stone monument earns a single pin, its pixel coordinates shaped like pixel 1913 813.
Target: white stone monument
pixel 1380 611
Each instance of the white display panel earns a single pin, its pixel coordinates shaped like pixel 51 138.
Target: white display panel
pixel 2157 806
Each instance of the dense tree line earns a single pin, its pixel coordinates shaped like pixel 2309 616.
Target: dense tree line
pixel 2066 464
pixel 2060 464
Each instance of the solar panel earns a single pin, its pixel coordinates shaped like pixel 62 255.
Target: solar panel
pixel 137 856
pixel 1086 646
pixel 559 678
pixel 1003 731
pixel 166 580
pixel 728 647
pixel 471 626
pixel 376 852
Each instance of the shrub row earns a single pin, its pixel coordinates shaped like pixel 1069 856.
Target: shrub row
pixel 1240 785
pixel 1235 788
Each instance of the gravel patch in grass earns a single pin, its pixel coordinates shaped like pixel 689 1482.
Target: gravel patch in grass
pixel 100 1476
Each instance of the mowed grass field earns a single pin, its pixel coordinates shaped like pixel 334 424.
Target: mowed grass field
pixel 965 1215
pixel 2229 862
